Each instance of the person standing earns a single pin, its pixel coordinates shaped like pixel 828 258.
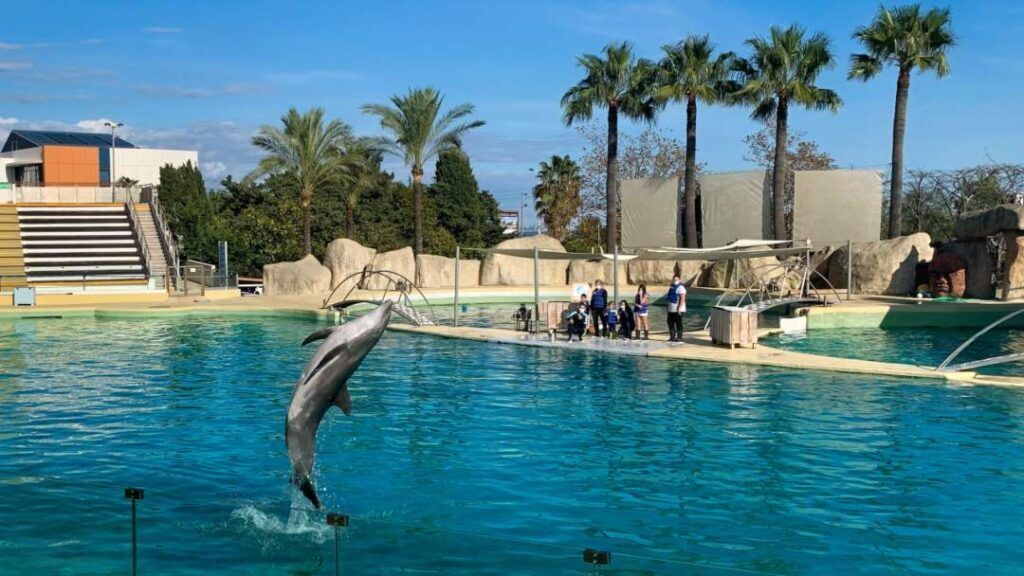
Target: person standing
pixel 676 308
pixel 640 305
pixel 598 309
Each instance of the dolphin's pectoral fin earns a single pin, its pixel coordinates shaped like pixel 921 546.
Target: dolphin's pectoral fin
pixel 344 401
pixel 318 335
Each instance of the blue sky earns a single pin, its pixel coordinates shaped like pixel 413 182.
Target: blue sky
pixel 205 74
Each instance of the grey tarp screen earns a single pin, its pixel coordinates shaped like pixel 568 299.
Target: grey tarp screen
pixel 733 205
pixel 833 206
pixel 650 212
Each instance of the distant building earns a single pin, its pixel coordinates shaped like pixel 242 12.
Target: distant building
pixel 47 158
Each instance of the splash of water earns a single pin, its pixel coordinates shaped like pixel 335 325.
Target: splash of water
pixel 302 520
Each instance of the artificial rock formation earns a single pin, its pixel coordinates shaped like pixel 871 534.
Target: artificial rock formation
pixel 345 257
pixel 882 267
pixel 439 272
pixel 660 272
pixel 985 223
pixel 401 261
pixel 300 278
pixel 1011 282
pixel 502 270
pixel 591 271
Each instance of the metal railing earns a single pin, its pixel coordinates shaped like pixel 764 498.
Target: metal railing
pixel 78 282
pixel 169 246
pixel 195 277
pixel 140 236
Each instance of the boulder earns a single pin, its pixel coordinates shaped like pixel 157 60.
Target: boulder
pixel 1011 285
pixel 980 266
pixel 984 223
pixel 401 261
pixel 300 278
pixel 345 257
pixel 660 272
pixel 716 274
pixel 882 267
pixel 439 272
pixel 502 270
pixel 589 272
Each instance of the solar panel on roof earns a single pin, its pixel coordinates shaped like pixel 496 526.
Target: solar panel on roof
pixel 22 139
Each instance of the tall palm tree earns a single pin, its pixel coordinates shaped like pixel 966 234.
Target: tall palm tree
pixel 691 72
pixel 557 194
pixel 315 154
pixel 780 71
pixel 907 39
pixel 623 84
pixel 419 132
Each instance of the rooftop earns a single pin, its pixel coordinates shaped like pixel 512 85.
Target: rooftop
pixel 22 139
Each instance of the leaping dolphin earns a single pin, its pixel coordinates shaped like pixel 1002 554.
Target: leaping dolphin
pixel 324 382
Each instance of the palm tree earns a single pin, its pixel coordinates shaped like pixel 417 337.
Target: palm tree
pixel 557 194
pixel 781 71
pixel 312 153
pixel 690 72
pixel 907 39
pixel 419 132
pixel 622 84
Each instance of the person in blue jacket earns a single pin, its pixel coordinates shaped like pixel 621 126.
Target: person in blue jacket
pixel 598 309
pixel 577 321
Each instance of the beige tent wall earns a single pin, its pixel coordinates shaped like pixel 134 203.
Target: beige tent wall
pixel 650 212
pixel 734 205
pixel 833 206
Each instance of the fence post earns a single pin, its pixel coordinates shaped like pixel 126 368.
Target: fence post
pixel 536 287
pixel 134 494
pixel 849 270
pixel 455 303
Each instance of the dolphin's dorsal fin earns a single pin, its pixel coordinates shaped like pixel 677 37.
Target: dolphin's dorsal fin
pixel 318 335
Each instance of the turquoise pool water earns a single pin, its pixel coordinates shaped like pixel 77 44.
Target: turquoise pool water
pixel 464 458
pixel 922 347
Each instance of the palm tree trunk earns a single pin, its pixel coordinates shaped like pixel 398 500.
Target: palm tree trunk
pixel 417 210
pixel 690 175
pixel 899 128
pixel 779 170
pixel 349 220
pixel 307 237
pixel 612 180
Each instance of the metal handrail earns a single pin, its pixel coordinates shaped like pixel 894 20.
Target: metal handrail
pixel 169 246
pixel 390 276
pixel 140 236
pixel 962 347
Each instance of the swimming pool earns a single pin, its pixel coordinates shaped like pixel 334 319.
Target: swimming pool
pixel 922 347
pixel 468 458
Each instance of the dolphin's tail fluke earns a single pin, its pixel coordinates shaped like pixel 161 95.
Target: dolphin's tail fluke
pixel 306 487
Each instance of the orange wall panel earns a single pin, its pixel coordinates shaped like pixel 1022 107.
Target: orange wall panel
pixel 71 166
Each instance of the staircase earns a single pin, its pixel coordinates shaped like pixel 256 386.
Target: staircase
pixel 412 315
pixel 157 262
pixel 12 259
pixel 79 244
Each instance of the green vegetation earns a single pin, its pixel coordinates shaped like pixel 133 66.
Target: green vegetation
pixel 782 70
pixel 909 40
pixel 419 132
pixel 557 195
pixel 691 72
pixel 624 85
pixel 471 216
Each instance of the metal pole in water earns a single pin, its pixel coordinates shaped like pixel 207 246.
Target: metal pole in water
pixel 338 521
pixel 134 494
pixel 849 270
pixel 455 304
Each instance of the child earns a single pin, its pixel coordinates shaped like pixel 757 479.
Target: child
pixel 611 318
pixel 640 308
pixel 577 321
pixel 627 323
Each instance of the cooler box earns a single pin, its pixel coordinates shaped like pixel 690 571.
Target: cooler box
pixel 733 326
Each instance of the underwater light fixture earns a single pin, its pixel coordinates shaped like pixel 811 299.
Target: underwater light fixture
pixel 337 520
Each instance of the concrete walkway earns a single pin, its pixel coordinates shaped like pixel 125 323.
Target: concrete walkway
pixel 698 347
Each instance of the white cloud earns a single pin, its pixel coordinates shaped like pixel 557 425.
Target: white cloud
pixel 13 66
pixel 8 121
pixel 162 30
pixel 214 171
pixel 306 76
pixel 167 91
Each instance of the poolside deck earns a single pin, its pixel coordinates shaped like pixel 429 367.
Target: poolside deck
pixel 698 347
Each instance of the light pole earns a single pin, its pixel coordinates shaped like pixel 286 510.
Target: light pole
pixel 113 149
pixel 522 211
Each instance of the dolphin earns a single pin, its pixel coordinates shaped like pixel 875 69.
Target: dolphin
pixel 324 382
